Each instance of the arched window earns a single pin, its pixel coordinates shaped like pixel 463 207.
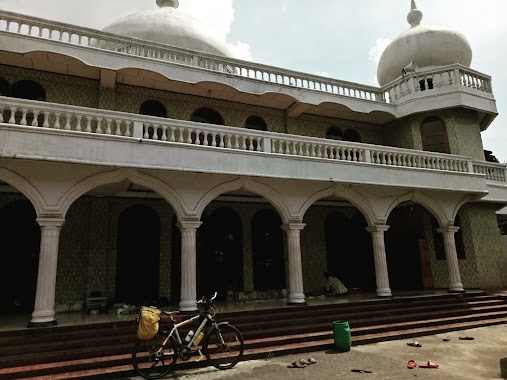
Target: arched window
pixel 352 135
pixel 207 115
pixel 153 108
pixel 334 133
pixel 5 87
pixel 31 90
pixel 256 122
pixel 28 89
pixel 434 135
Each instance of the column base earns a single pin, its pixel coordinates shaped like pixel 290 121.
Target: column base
pixel 188 307
pixel 456 291
pixel 42 324
pixel 384 293
pixel 296 299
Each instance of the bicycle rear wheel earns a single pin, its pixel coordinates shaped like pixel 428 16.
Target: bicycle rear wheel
pixel 151 361
pixel 223 346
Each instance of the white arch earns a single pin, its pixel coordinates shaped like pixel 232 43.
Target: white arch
pixel 250 185
pixel 155 184
pixel 353 197
pixel 26 188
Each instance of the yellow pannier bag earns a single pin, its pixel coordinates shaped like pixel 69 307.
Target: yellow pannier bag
pixel 148 322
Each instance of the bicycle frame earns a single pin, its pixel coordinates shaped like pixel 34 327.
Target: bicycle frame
pixel 176 334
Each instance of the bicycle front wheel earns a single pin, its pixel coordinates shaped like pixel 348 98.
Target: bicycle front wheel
pixel 151 360
pixel 223 346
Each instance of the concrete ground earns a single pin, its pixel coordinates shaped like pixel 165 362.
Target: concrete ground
pixel 485 357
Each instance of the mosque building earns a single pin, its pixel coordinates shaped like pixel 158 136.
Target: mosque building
pixel 144 164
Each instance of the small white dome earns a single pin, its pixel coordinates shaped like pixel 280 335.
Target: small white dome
pixel 427 46
pixel 168 26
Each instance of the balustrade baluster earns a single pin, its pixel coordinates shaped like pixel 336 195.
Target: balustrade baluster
pixel 57 120
pixel 171 134
pixel 221 136
pixel 146 135
pixel 45 119
pixel 236 142
pixel 23 111
pixel 108 127
pixel 66 126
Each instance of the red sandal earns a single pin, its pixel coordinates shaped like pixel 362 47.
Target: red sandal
pixel 428 365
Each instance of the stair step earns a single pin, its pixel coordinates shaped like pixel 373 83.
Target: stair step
pixel 94 351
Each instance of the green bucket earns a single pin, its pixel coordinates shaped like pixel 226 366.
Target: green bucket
pixel 341 335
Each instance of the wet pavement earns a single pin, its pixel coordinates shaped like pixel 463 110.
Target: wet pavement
pixel 485 357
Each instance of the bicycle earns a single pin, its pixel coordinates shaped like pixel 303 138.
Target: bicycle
pixel 222 344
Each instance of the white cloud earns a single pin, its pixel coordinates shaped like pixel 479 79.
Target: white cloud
pixel 217 16
pixel 377 50
pixel 241 50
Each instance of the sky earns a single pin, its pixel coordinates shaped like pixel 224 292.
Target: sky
pixel 340 39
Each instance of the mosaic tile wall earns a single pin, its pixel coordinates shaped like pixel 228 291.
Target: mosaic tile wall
pixel 316 126
pixel 463 132
pixel 59 88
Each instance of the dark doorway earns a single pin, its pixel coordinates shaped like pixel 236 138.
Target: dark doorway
pixel 220 254
pixel 267 251
pixel 337 247
pixel 19 257
pixel 403 247
pixel 138 256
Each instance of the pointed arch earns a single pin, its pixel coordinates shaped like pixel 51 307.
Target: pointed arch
pixel 155 184
pixel 350 195
pixel 26 188
pixel 250 185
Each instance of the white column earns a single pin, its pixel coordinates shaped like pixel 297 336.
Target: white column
pixel 379 255
pixel 455 285
pixel 44 310
pixel 188 266
pixel 296 295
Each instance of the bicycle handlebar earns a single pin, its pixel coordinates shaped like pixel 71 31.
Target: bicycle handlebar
pixel 209 300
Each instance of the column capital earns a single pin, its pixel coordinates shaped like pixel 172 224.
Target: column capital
pixel 378 228
pixel 45 221
pixel 452 229
pixel 293 226
pixel 195 224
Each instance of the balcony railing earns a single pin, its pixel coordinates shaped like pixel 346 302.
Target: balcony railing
pixel 428 80
pixel 94 121
pixel 69 34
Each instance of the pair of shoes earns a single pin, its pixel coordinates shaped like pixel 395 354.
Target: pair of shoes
pixel 297 365
pixel 361 371
pixel 308 361
pixel 428 365
pixel 466 338
pixel 302 363
pixel 411 364
pixel 414 344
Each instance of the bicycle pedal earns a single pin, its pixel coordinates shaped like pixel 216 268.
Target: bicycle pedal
pixel 201 356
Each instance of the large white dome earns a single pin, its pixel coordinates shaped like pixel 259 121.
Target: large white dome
pixel 169 26
pixel 427 46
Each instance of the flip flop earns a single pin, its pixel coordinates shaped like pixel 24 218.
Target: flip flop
pixel 308 361
pixel 466 338
pixel 428 365
pixel 446 339
pixel 297 364
pixel 411 364
pixel 361 371
pixel 414 344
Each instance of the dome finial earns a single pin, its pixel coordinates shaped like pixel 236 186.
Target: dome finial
pixel 415 16
pixel 168 3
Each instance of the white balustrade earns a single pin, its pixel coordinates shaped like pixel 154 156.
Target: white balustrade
pixel 492 171
pixel 72 119
pixel 428 80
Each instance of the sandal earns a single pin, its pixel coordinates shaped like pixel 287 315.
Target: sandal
pixel 414 344
pixel 308 361
pixel 466 338
pixel 411 364
pixel 428 365
pixel 297 364
pixel 361 371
